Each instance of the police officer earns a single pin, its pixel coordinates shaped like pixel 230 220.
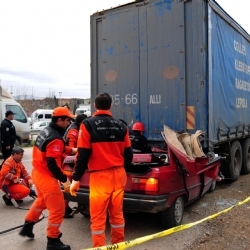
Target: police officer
pixel 8 134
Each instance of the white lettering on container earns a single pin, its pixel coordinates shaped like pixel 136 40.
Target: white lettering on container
pixel 239 48
pixel 241 103
pixel 155 99
pixel 242 67
pixel 242 85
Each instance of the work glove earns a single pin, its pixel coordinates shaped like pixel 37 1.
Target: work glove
pixel 66 185
pixel 17 180
pixel 74 187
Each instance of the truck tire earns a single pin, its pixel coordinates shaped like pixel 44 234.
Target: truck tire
pixel 232 170
pixel 172 217
pixel 246 157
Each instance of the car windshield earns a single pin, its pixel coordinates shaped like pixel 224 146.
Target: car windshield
pixel 19 114
pixel 34 115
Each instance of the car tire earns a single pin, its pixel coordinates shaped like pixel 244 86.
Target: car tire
pixel 213 186
pixel 172 216
pixel 84 210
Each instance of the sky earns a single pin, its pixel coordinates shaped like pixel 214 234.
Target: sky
pixel 45 44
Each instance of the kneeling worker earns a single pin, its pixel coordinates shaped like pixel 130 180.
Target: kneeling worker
pixel 14 178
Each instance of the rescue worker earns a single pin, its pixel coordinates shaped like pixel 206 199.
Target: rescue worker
pixel 138 141
pixel 71 134
pixel 14 178
pixel 47 174
pixel 8 134
pixel 71 137
pixel 104 148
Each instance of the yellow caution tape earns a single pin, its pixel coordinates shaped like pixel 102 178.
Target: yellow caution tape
pixel 134 242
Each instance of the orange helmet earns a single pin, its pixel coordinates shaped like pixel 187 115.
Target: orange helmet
pixel 138 126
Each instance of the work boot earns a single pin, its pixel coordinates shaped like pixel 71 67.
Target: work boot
pixel 68 211
pixel 32 193
pixel 27 229
pixel 8 201
pixel 56 244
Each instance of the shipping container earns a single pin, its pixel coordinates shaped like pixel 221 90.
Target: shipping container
pixel 185 64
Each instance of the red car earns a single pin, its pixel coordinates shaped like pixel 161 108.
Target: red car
pixel 160 182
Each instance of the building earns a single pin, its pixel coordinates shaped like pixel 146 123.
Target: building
pixel 30 105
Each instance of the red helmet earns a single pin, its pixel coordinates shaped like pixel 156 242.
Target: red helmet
pixel 138 126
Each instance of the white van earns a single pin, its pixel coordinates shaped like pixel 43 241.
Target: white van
pixel 41 115
pixel 20 121
pixel 83 109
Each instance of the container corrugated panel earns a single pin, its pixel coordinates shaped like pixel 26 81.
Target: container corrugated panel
pixel 138 56
pixel 115 60
pixel 152 57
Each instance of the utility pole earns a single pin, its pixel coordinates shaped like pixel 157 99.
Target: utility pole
pixel 60 95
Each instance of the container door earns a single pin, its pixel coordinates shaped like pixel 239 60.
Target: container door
pixel 162 67
pixel 115 60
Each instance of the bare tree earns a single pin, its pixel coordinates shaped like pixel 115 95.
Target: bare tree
pixel 55 102
pixel 22 97
pixel 18 93
pixel 51 99
pixel 32 95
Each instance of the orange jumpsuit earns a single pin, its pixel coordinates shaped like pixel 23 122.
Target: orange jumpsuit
pixel 104 148
pixel 47 174
pixel 71 137
pixel 9 172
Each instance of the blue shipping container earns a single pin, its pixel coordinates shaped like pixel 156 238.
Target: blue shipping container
pixel 185 64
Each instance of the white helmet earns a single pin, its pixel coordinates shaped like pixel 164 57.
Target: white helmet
pixel 87 113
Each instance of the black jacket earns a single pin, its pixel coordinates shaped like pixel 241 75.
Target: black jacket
pixel 47 135
pixel 8 133
pixel 139 143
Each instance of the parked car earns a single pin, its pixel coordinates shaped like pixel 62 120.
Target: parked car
pixel 85 109
pixel 40 125
pixel 41 115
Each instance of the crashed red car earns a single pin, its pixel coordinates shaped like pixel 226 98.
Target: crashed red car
pixel 160 182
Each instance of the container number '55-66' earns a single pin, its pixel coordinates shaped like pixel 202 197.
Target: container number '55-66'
pixel 128 99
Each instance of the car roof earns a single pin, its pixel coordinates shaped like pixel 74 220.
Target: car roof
pixel 39 122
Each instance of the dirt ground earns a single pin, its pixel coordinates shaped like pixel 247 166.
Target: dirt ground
pixel 230 230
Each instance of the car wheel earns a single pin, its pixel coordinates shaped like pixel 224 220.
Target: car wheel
pixel 213 186
pixel 172 217
pixel 84 210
